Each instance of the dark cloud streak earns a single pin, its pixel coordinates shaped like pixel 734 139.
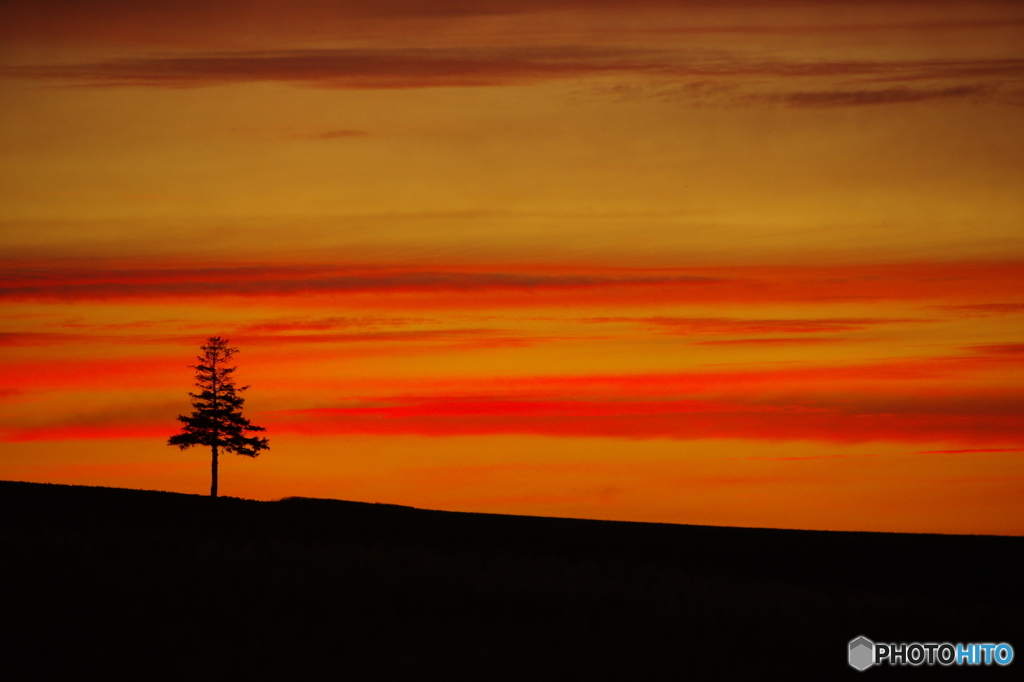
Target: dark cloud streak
pixel 356 68
pixel 716 325
pixel 984 309
pixel 775 341
pixel 447 67
pixel 873 97
pixel 338 134
pixel 1011 349
pixel 246 281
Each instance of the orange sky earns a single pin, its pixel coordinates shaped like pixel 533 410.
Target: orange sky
pixel 743 263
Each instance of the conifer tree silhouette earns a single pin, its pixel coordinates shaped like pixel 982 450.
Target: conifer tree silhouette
pixel 216 419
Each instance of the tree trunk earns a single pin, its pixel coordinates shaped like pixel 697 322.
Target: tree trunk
pixel 213 471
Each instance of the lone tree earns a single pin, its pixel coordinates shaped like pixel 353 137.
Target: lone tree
pixel 217 419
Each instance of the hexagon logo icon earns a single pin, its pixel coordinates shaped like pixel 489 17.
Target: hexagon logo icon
pixel 862 653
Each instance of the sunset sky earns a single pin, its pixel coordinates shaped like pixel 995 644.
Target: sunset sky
pixel 754 263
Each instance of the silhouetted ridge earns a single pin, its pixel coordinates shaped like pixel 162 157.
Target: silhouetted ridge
pixel 307 586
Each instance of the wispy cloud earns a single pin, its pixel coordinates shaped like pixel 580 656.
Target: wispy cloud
pixel 338 134
pixel 772 341
pixel 134 420
pixel 967 451
pixel 124 372
pixel 726 325
pixel 986 308
pixel 358 68
pixel 488 66
pixel 39 338
pixel 866 97
pixel 286 280
pixel 291 325
pixel 1011 349
pixel 164 22
pixel 514 285
pixel 412 341
pixel 90 432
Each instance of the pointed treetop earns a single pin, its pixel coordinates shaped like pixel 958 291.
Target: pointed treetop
pixel 217 347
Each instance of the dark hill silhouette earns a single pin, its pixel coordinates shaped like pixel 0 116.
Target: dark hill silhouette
pixel 182 586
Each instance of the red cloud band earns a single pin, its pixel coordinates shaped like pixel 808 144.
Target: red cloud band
pixel 679 419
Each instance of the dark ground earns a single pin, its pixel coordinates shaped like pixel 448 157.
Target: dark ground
pixel 163 585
